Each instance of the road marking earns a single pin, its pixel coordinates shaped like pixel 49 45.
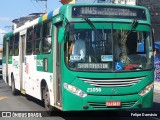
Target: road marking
pixel 2 97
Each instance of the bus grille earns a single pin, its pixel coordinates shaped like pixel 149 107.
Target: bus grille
pixel 112 82
pixel 102 105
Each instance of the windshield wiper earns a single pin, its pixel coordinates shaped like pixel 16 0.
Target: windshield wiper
pixel 90 23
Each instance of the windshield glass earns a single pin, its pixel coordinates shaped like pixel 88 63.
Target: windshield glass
pixel 107 47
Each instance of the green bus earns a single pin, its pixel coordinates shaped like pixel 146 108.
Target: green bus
pixel 83 57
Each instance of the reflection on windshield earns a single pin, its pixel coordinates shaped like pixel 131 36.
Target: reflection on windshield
pixel 107 50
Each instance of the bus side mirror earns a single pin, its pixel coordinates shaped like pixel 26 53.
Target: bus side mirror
pixel 61 33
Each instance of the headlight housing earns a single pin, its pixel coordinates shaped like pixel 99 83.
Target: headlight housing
pixel 146 89
pixel 74 90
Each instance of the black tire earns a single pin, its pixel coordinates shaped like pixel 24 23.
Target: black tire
pixel 48 107
pixel 13 89
pixel 30 98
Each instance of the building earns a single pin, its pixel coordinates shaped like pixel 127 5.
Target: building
pixel 154 8
pixel 22 20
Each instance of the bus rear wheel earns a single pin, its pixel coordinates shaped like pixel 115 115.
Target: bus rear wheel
pixel 48 107
pixel 14 90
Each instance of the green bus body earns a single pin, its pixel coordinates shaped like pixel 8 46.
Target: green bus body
pixel 97 85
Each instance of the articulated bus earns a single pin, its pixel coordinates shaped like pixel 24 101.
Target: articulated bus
pixel 105 70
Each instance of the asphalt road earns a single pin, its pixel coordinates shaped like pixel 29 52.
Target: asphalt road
pixel 18 105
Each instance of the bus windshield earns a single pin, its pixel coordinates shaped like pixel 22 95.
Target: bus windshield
pixel 107 47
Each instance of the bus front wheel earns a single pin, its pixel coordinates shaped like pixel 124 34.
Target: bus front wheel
pixel 14 90
pixel 48 107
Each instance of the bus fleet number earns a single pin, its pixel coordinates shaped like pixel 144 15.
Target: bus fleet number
pixel 93 89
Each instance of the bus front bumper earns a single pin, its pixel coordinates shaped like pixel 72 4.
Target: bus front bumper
pixel 73 102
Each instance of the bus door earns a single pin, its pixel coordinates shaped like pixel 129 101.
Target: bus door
pixel 22 61
pixel 56 69
pixel 7 59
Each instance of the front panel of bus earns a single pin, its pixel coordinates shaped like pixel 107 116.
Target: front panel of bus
pixel 107 59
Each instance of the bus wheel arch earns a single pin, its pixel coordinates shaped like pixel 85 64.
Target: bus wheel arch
pixel 43 85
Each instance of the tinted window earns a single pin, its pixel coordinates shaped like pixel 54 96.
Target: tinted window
pixel 37 38
pixel 47 34
pixel 29 42
pixel 16 44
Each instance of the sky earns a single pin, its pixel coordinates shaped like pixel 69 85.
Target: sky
pixel 12 9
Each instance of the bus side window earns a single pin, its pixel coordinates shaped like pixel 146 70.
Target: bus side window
pixel 11 45
pixel 47 35
pixel 16 44
pixel 37 38
pixel 4 47
pixel 29 41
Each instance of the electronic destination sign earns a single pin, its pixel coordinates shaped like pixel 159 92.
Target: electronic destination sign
pixel 108 12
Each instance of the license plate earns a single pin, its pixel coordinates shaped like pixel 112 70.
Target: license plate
pixel 113 103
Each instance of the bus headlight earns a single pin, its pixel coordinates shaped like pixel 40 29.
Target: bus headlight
pixel 146 89
pixel 74 90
